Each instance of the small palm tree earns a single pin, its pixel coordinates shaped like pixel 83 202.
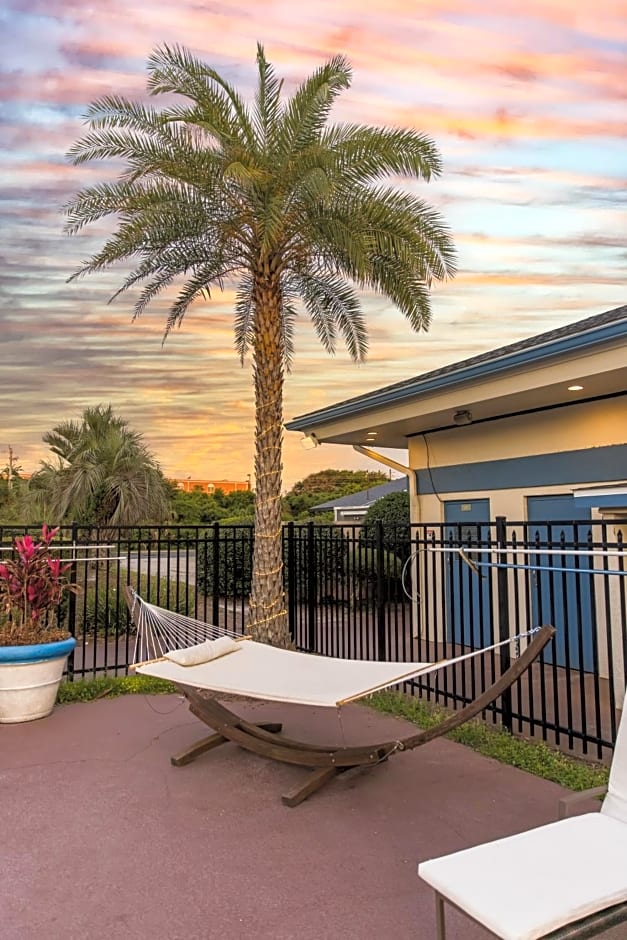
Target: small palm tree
pixel 104 474
pixel 278 201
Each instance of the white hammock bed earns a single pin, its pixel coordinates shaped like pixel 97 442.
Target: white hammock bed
pixel 243 668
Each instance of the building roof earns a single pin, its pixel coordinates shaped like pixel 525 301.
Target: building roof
pixel 364 498
pixel 574 343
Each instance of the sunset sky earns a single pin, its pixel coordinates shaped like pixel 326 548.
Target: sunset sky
pixel 527 106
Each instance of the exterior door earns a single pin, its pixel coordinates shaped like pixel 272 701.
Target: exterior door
pixel 561 584
pixel 468 608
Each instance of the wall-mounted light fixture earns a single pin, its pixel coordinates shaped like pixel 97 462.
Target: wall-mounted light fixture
pixel 575 388
pixel 309 441
pixel 462 417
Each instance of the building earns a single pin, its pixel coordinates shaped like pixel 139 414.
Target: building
pixel 188 485
pixel 529 430
pixel 534 433
pixel 350 510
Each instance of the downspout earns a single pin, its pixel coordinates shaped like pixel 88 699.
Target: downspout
pixel 414 508
pixel 412 486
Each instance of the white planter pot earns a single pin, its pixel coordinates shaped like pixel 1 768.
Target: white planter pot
pixel 29 679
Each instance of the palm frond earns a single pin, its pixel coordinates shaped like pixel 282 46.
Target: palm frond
pixel 244 316
pixel 408 291
pixel 212 272
pixel 364 154
pixel 333 305
pixel 308 109
pixel 267 101
pixel 174 69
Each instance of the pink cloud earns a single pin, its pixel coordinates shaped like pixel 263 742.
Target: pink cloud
pixel 486 87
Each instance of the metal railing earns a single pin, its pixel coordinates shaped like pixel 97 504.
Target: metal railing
pixel 387 593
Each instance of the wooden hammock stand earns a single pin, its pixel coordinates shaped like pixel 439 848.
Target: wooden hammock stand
pixel 325 761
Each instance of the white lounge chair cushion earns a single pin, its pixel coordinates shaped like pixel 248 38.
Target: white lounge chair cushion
pixel 203 652
pixel 615 803
pixel 527 885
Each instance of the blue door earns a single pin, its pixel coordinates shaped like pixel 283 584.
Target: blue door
pixel 468 610
pixel 562 597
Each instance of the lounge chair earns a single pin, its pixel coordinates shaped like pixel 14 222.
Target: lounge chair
pixel 256 670
pixel 567 879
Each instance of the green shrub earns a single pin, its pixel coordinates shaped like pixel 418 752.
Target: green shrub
pixel 331 565
pixel 229 571
pixel 319 565
pixel 392 511
pixel 101 608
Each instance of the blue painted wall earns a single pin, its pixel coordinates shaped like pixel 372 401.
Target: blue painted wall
pixel 598 465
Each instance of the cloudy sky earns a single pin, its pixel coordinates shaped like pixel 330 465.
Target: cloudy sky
pixel 527 106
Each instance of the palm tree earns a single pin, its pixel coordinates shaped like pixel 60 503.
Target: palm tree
pixel 275 199
pixel 103 475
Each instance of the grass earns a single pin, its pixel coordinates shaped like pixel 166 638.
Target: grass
pixel 535 757
pixel 87 690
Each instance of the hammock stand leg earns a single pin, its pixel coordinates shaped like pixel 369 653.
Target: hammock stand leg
pixel 327 760
pixel 211 741
pixel 317 779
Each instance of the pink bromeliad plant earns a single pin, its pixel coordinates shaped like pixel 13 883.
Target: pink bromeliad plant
pixel 32 585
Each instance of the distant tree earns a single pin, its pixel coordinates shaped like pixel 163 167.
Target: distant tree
pixel 103 475
pixel 239 506
pixel 324 485
pixel 196 508
pixel 241 501
pixel 348 481
pixel 200 508
pixel 11 489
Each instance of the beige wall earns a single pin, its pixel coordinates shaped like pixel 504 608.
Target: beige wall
pixel 579 427
pixel 593 424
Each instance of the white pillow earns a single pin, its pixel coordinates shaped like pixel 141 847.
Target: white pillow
pixel 203 652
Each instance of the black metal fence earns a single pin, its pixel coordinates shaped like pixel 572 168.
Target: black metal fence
pixel 369 593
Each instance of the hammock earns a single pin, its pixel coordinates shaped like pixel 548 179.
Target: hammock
pixel 266 672
pixel 255 670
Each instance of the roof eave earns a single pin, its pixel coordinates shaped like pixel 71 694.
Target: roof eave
pixel 395 394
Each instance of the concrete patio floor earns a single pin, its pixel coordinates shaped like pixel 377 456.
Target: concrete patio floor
pixel 103 838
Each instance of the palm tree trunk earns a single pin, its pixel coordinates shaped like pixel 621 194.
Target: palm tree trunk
pixel 267 617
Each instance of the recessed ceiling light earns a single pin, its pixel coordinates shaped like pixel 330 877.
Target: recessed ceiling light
pixel 575 388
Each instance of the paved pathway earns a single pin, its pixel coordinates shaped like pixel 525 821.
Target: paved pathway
pixel 103 838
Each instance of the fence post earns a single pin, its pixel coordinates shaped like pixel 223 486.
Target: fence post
pixel 503 616
pixel 71 610
pixel 215 564
pixel 289 575
pixel 311 589
pixel 380 595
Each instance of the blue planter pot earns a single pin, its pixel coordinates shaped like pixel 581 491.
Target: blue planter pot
pixel 30 677
pixel 37 652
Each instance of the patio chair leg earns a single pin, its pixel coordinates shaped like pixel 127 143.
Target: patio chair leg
pixel 440 927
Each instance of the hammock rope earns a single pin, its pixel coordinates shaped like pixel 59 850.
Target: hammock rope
pixel 160 631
